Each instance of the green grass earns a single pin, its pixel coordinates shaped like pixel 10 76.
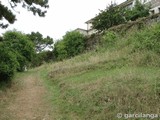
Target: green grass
pixel 101 94
pixel 120 77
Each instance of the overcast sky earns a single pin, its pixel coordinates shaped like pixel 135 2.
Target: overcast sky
pixel 62 16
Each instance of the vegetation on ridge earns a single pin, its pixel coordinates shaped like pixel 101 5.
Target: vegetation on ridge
pixel 115 15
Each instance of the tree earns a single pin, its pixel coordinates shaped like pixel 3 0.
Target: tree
pixel 22 47
pixel 138 11
pixel 8 63
pixel 40 42
pixel 109 17
pixel 30 5
pixel 42 57
pixel 74 42
pixel 60 51
pixel 114 15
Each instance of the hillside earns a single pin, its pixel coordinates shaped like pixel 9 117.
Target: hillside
pixel 122 75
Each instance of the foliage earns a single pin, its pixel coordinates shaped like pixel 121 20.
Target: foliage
pixel 8 63
pixel 138 11
pixel 22 46
pixel 148 39
pixel 17 52
pixel 109 17
pixel 1 38
pixel 42 57
pixel 40 42
pixel 72 44
pixel 109 39
pixel 60 51
pixel 30 5
pixel 114 15
pixel 7 14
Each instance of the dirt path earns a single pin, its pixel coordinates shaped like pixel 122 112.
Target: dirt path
pixel 30 102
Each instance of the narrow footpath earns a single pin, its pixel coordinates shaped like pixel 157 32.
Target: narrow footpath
pixel 30 101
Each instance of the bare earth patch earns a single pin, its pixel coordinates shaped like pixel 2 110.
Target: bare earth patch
pixel 30 102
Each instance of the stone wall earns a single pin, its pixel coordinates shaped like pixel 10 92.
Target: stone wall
pixel 138 23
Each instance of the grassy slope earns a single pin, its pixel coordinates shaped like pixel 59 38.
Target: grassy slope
pixel 121 77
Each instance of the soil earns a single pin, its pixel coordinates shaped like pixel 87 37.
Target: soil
pixel 30 102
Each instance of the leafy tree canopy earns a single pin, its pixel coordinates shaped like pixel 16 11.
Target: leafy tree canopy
pixel 40 42
pixel 114 15
pixel 109 17
pixel 21 45
pixel 31 5
pixel 73 43
pixel 60 51
pixel 8 63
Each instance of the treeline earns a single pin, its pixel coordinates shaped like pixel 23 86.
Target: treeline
pixel 18 51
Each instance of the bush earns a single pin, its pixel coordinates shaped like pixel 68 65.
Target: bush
pixel 40 58
pixel 109 39
pixel 73 43
pixel 60 50
pixel 8 63
pixel 22 46
pixel 148 39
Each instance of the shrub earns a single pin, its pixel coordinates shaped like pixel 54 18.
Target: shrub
pixel 73 43
pixel 60 50
pixel 22 46
pixel 40 58
pixel 8 63
pixel 109 39
pixel 148 39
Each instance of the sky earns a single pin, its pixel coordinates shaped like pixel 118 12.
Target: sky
pixel 62 16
